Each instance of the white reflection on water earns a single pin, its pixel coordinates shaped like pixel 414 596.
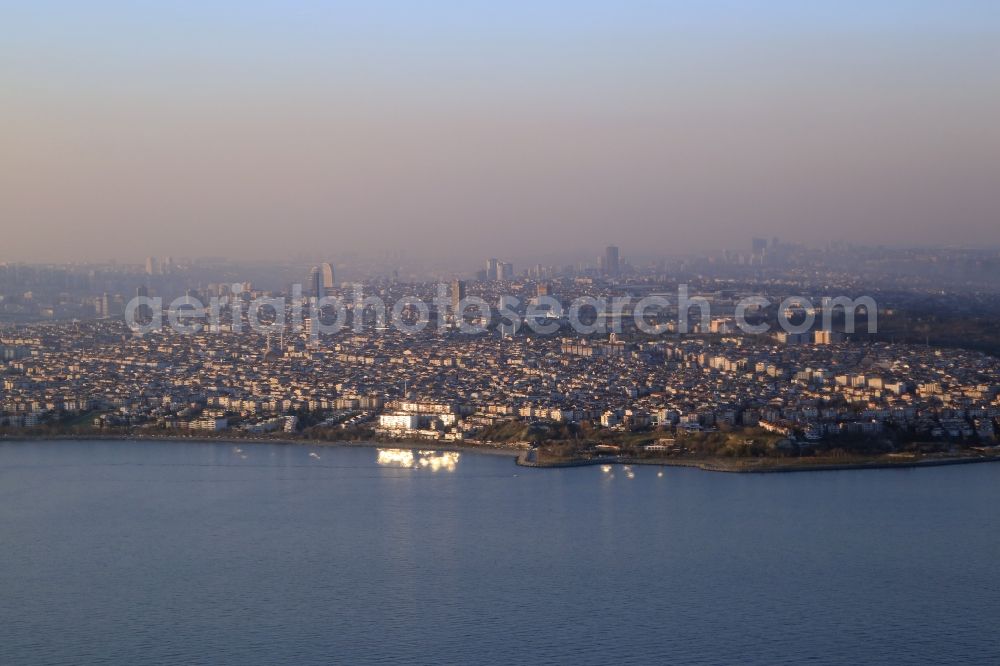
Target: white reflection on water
pixel 446 460
pixel 433 460
pixel 395 457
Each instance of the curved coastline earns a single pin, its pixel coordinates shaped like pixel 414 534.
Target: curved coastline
pixel 520 455
pixel 761 466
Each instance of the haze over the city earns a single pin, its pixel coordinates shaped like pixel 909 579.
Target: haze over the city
pixel 259 129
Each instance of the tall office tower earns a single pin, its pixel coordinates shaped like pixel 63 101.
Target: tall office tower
pixel 104 308
pixel 144 312
pixel 493 269
pixel 457 295
pixel 611 265
pixel 327 270
pixel 150 265
pixel 314 287
pixel 505 271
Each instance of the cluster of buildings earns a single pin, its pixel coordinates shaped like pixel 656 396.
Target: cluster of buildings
pixel 441 384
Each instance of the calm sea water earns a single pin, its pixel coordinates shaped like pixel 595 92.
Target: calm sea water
pixel 164 553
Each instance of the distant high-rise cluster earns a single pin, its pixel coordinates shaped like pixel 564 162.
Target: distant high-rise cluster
pixel 109 305
pixel 321 281
pixel 164 266
pixel 498 270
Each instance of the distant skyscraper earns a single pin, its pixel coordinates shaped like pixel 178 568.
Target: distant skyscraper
pixel 150 265
pixel 493 269
pixel 457 294
pixel 327 271
pixel 315 284
pixel 611 265
pixel 143 313
pixel 104 306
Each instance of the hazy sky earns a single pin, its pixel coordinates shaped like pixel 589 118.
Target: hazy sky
pixel 478 128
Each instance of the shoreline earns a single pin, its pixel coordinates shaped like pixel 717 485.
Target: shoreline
pixel 761 466
pixel 520 454
pixel 412 445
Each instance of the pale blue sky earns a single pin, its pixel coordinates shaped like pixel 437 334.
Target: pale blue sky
pixel 188 128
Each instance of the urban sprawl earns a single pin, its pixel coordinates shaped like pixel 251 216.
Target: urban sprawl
pixel 698 375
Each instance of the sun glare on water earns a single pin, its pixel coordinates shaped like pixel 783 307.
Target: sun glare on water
pixel 432 460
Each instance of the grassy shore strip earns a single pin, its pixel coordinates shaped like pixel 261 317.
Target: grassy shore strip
pixel 412 445
pixel 762 466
